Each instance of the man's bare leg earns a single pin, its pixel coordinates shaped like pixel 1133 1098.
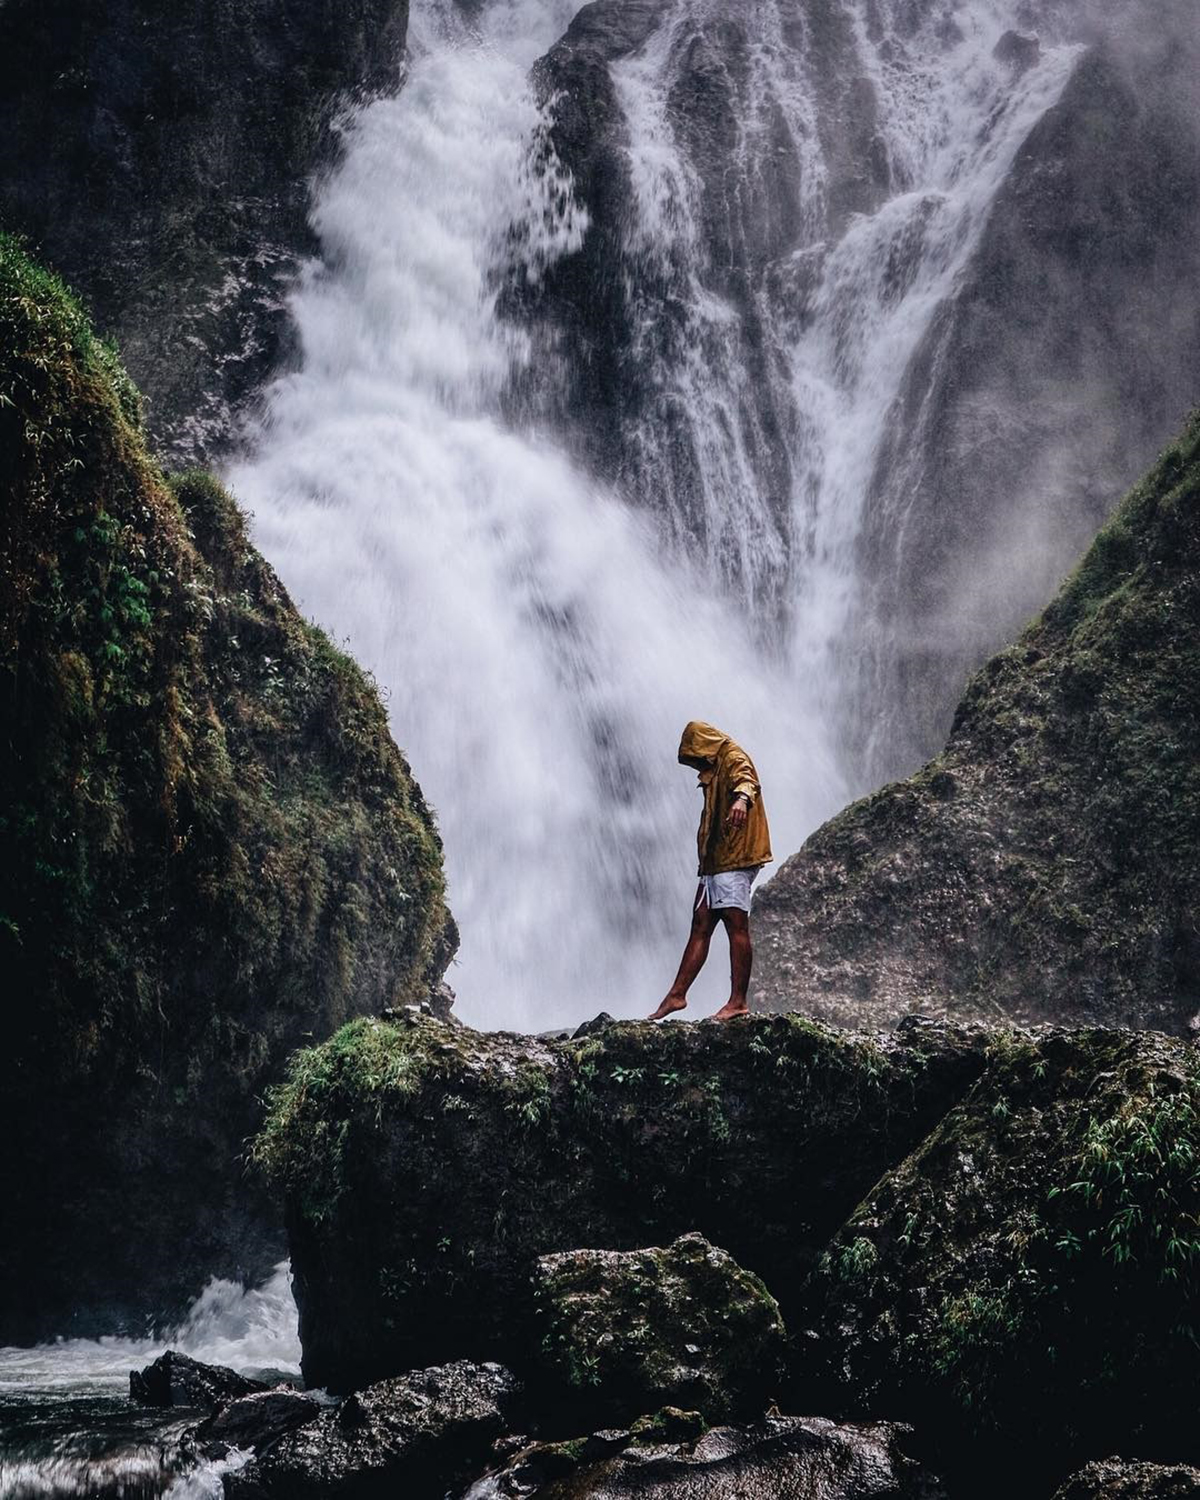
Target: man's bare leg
pixel 741 956
pixel 704 924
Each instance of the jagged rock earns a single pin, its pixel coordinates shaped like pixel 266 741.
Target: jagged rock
pixel 1017 50
pixel 1033 1269
pixel 785 1456
pixel 416 1434
pixel 684 1325
pixel 1123 1479
pixel 257 1420
pixel 213 850
pixel 590 1028
pixel 1047 865
pixel 175 1379
pixel 427 1167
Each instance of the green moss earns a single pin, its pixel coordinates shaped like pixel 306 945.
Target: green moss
pixel 441 1163
pixel 212 847
pixel 1045 865
pixel 669 1425
pixel 1036 1265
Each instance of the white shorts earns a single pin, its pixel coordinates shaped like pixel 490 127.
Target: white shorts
pixel 730 888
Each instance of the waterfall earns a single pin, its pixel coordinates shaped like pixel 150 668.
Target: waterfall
pixel 540 640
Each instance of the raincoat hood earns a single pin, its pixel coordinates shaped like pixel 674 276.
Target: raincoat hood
pixel 700 745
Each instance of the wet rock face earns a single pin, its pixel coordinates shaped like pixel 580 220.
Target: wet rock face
pixel 627 321
pixel 684 1325
pixel 159 159
pixel 1032 1268
pixel 176 1379
pixel 1064 358
pixel 801 1456
pixel 1045 865
pixel 1067 359
pixel 257 1420
pixel 1120 1479
pixel 416 1434
pixel 427 1168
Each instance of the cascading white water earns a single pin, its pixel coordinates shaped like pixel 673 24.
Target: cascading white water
pixel 540 644
pixel 540 659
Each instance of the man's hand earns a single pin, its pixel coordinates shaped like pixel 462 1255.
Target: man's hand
pixel 737 812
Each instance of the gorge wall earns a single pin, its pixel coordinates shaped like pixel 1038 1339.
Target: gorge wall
pixel 159 159
pixel 212 849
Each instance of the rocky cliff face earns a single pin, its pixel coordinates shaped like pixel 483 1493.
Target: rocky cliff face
pixel 1069 356
pixel 212 848
pixel 1045 864
pixel 159 157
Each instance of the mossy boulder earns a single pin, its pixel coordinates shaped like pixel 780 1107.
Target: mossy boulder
pixel 683 1325
pixel 1026 1284
pixel 426 1167
pixel 1046 866
pixel 211 848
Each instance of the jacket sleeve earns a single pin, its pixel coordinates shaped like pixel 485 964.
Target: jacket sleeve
pixel 741 774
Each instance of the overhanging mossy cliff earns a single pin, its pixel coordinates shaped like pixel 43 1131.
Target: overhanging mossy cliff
pixel 212 849
pixel 1046 866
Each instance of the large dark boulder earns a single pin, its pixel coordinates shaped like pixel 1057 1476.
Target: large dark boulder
pixel 784 1456
pixel 159 157
pixel 415 1435
pixel 1025 1286
pixel 1046 866
pixel 258 1419
pixel 683 1326
pixel 211 851
pixel 427 1168
pixel 176 1379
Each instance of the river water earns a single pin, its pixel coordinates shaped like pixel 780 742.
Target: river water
pixel 68 1427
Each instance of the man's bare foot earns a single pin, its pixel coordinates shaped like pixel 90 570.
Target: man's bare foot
pixel 668 1006
pixel 730 1009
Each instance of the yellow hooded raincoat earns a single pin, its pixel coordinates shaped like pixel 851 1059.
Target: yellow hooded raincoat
pixel 725 770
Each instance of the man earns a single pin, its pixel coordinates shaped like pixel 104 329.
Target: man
pixel 734 843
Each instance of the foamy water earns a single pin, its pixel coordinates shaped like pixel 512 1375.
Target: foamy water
pixel 67 1426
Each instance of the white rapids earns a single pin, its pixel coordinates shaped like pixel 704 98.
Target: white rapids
pixel 67 1426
